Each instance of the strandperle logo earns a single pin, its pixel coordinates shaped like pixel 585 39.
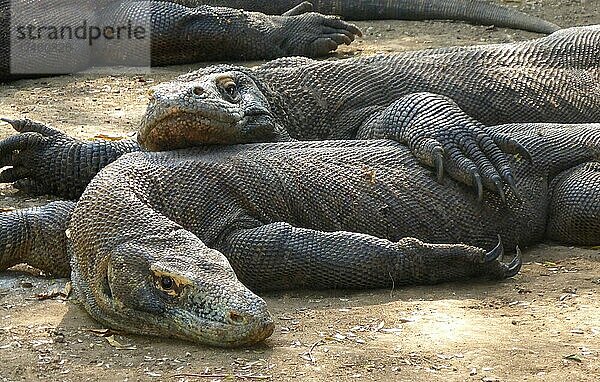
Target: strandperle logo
pixel 65 36
pixel 80 32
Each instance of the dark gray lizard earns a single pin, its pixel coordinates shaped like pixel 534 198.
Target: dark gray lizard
pixel 552 79
pixel 473 11
pixel 167 243
pixel 179 34
pixel 184 31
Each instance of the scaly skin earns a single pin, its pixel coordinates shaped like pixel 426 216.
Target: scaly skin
pixel 178 34
pixel 473 11
pixel 552 79
pixel 156 237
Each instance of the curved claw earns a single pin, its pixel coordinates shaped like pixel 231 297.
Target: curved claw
pixel 513 186
pixel 515 265
pixel 478 186
pixel 438 158
pixel 500 189
pixel 12 122
pixel 29 126
pixel 495 253
pixel 523 151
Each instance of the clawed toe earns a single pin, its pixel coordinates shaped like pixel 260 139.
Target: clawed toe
pixel 500 190
pixel 510 180
pixel 16 124
pixel 515 265
pixel 29 126
pixel 499 270
pixel 495 253
pixel 478 186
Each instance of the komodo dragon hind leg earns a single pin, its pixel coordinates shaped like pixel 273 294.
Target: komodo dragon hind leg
pixel 443 136
pixel 36 236
pixel 280 256
pixel 575 206
pixel 43 160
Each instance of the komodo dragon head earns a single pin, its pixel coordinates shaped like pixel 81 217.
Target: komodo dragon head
pixel 172 286
pixel 218 105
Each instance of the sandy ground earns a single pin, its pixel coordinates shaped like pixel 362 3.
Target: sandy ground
pixel 542 325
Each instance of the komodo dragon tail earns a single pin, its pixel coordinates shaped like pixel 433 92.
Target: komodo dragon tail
pixel 472 11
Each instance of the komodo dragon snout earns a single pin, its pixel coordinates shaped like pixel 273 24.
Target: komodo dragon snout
pixel 175 286
pixel 217 108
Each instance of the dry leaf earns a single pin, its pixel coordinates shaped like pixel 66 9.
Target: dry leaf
pixel 573 357
pixel 62 293
pixel 117 345
pixel 109 137
pixel 101 332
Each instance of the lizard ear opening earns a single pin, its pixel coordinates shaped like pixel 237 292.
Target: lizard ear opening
pixel 106 287
pixel 105 283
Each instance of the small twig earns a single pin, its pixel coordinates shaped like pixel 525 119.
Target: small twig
pixel 240 376
pixel 312 359
pixel 393 285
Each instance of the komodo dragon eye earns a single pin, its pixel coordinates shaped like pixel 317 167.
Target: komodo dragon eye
pixel 231 90
pixel 168 285
pixel 167 282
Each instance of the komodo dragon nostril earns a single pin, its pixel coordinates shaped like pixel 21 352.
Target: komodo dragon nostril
pixel 197 90
pixel 236 318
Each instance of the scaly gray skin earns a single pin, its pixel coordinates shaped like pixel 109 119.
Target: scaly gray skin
pixel 180 35
pixel 553 79
pixel 186 31
pixel 473 11
pixel 161 243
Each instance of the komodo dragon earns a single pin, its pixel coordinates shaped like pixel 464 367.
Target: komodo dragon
pixel 179 34
pixel 167 243
pixel 184 31
pixel 552 79
pixel 473 11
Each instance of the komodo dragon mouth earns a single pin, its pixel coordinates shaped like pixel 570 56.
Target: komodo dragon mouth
pixel 215 109
pixel 176 129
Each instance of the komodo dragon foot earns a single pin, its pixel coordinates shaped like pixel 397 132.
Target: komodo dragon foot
pixel 44 160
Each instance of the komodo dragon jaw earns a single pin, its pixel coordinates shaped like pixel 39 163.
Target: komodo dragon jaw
pixel 175 287
pixel 214 109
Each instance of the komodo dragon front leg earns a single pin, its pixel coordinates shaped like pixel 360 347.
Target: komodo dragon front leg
pixel 36 236
pixel 441 135
pixel 292 257
pixel 44 160
pixel 182 35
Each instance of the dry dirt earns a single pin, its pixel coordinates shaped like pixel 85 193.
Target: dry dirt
pixel 542 325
